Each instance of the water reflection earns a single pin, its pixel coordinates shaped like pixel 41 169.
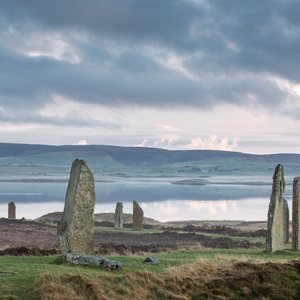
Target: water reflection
pixel 250 209
pixel 246 209
pixel 160 200
pixel 128 191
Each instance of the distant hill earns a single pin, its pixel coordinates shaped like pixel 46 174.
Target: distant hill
pixel 99 217
pixel 130 156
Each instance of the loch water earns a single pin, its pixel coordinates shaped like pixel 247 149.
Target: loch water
pixel 160 199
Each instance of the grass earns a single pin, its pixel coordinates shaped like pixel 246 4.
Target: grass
pixel 49 275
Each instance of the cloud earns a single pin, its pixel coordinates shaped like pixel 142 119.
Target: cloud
pixel 176 142
pixel 174 53
pixel 80 63
pixel 214 142
pixel 169 128
pixel 142 144
pixel 81 143
pixel 166 139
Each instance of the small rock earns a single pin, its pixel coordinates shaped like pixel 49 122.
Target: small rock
pixel 151 261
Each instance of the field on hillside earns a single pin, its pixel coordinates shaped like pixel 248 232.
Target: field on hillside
pixel 121 163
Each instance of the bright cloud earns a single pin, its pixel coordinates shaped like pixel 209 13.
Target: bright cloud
pixel 169 128
pixel 175 142
pixel 214 142
pixel 81 143
pixel 166 140
pixel 142 144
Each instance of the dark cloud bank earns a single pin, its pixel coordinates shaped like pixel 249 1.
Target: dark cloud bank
pixel 150 53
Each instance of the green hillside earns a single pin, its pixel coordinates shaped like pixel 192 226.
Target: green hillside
pixel 109 162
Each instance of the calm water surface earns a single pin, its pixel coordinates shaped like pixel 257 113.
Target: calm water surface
pixel 160 200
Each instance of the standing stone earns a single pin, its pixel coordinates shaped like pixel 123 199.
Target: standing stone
pixel 137 217
pixel 274 240
pixel 296 215
pixel 11 210
pixel 118 217
pixel 76 229
pixel 286 221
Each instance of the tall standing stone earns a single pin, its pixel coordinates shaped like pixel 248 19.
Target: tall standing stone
pixel 11 210
pixel 286 221
pixel 76 229
pixel 137 217
pixel 296 215
pixel 274 240
pixel 118 217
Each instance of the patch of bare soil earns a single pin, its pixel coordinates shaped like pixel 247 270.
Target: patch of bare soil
pixel 22 237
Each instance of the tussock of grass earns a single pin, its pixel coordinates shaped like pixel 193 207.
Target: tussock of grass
pixel 221 278
pixel 6 293
pixel 68 286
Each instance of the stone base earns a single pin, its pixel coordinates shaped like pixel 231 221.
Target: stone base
pixel 93 260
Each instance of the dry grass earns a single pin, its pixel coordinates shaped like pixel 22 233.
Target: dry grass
pixel 220 278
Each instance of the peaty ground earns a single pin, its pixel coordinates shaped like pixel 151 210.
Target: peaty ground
pixel 23 237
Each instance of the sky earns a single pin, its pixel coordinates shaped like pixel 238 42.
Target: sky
pixel 173 74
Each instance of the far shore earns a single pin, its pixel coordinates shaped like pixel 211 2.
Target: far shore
pixel 179 182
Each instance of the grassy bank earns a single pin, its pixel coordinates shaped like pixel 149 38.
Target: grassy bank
pixel 180 275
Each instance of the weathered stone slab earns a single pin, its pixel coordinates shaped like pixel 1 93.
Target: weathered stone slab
pixel 286 221
pixel 296 215
pixel 11 210
pixel 275 239
pixel 137 217
pixel 76 229
pixel 151 261
pixel 93 260
pixel 118 216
